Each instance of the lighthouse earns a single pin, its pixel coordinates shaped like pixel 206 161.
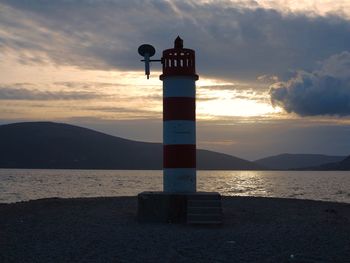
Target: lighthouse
pixel 179 202
pixel 179 119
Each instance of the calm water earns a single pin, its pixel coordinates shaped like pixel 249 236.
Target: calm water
pixel 19 185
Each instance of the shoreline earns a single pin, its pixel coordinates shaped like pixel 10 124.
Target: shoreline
pixel 48 199
pixel 105 229
pixel 160 169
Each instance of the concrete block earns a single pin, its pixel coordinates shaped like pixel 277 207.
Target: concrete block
pixel 164 207
pixel 161 207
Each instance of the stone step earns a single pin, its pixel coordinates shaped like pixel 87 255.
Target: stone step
pixel 204 196
pixel 203 203
pixel 204 217
pixel 202 222
pixel 204 210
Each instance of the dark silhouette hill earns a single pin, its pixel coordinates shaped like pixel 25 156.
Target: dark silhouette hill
pixel 49 145
pixel 297 161
pixel 343 165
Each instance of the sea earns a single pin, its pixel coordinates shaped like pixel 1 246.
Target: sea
pixel 28 184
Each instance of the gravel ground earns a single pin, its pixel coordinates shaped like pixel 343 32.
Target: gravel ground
pixel 105 230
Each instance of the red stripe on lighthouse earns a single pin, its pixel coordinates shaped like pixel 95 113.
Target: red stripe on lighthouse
pixel 179 108
pixel 179 156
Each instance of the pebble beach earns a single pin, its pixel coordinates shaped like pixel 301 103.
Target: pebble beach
pixel 255 229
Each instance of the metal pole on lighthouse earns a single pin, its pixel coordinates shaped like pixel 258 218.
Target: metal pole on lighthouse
pixel 179 119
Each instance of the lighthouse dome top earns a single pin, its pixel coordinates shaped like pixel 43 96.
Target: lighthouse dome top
pixel 178 43
pixel 179 61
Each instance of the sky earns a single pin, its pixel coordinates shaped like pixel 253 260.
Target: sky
pixel 274 75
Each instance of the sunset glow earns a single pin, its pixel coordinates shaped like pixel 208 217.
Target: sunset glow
pixel 235 107
pixel 263 66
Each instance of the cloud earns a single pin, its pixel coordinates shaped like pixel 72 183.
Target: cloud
pixel 322 92
pixel 65 98
pixel 123 113
pixel 21 93
pixel 232 40
pixel 267 78
pixel 312 7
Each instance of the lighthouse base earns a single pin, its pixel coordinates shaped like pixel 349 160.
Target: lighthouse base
pixel 163 207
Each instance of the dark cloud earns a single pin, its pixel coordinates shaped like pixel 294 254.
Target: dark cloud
pixel 21 93
pixel 119 110
pixel 233 87
pixel 322 92
pixel 231 41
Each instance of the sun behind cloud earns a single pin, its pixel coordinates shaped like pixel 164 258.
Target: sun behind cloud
pixel 235 107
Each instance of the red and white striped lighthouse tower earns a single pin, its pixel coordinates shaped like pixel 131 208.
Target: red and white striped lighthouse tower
pixel 179 202
pixel 179 119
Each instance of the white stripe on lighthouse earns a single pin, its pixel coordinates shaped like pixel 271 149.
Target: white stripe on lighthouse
pixel 179 132
pixel 180 179
pixel 179 86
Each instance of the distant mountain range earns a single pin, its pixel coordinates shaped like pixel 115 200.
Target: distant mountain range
pixel 49 145
pixel 343 165
pixel 288 161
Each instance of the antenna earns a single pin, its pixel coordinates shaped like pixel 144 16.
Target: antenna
pixel 147 51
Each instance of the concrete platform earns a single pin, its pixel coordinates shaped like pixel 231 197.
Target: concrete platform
pixel 162 207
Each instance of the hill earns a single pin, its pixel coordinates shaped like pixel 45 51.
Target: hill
pixel 297 161
pixel 343 165
pixel 48 145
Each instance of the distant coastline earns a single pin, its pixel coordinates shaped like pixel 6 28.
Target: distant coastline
pixel 49 145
